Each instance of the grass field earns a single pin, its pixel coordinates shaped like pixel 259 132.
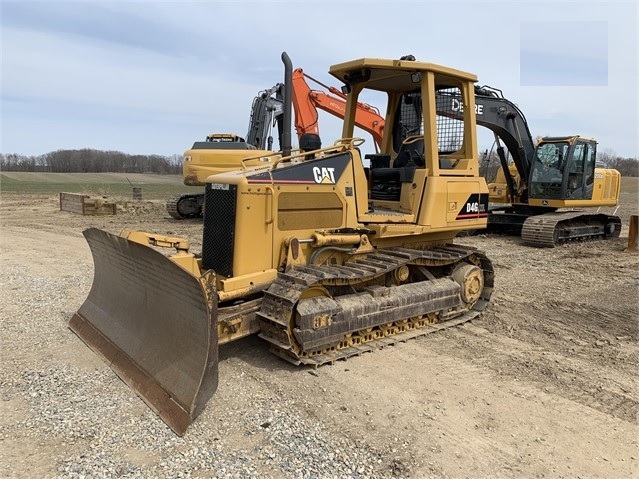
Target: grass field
pixel 110 184
pixel 157 186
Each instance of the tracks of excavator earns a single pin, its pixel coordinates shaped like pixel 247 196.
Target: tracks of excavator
pixel 551 229
pixel 314 315
pixel 183 207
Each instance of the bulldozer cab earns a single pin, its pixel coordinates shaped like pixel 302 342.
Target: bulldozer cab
pixel 411 109
pixel 424 153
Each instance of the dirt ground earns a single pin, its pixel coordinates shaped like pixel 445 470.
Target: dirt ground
pixel 544 384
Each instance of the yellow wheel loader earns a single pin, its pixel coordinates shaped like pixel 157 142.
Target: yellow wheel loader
pixel 322 257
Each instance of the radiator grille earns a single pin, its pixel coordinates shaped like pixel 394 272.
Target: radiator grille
pixel 219 228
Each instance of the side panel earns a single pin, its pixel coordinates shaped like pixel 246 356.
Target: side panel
pixel 607 185
pixel 412 193
pixel 466 203
pixel 309 210
pixel 454 204
pixel 253 237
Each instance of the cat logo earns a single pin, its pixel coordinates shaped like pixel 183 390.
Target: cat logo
pixel 320 171
pixel 324 175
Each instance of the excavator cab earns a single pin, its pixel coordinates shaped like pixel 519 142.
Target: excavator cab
pixel 564 168
pixel 564 174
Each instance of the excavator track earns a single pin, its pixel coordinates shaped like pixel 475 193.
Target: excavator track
pixel 550 229
pixel 315 315
pixel 183 207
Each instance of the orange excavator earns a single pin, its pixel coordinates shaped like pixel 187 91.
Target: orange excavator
pixel 307 101
pixel 224 151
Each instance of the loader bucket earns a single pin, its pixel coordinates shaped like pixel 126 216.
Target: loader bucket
pixel 154 324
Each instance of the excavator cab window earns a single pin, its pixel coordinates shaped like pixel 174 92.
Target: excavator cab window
pixel 576 169
pixel 589 164
pixel 581 174
pixel 548 169
pixel 563 170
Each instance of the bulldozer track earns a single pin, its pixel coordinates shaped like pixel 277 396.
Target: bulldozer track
pixel 321 332
pixel 550 229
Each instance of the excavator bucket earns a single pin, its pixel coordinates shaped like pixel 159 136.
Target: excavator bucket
pixel 154 324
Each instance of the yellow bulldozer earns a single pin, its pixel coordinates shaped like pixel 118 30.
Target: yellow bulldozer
pixel 322 257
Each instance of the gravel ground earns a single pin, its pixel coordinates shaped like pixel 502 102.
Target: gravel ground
pixel 95 414
pixel 543 385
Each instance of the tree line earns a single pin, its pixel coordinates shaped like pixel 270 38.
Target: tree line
pixel 98 161
pixel 92 161
pixel 625 166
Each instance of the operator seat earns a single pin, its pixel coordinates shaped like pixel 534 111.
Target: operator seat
pixel 387 182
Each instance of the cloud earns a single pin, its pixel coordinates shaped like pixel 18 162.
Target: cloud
pixel 153 76
pixel 105 23
pixel 560 53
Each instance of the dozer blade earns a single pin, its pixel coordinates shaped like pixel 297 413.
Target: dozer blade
pixel 154 323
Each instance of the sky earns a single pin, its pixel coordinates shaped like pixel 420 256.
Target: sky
pixel 152 77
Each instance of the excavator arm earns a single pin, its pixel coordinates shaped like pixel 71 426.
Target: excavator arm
pixel 306 101
pixel 508 124
pixel 268 108
pixel 266 111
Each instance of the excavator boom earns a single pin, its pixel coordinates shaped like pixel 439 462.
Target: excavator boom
pixel 306 101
